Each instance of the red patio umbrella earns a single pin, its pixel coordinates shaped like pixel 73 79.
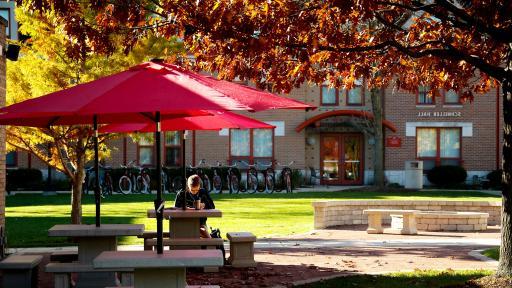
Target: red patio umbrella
pixel 152 90
pixel 216 121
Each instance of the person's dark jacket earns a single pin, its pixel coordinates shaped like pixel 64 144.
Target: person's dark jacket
pixel 201 195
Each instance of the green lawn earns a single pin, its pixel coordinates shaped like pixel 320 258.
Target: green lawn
pixel 493 253
pixel 417 279
pixel 30 216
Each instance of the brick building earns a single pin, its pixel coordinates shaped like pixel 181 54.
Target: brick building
pixel 336 138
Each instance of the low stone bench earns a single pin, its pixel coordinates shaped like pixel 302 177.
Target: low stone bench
pixel 148 235
pixel 62 272
pixel 407 219
pixel 241 249
pixel 20 271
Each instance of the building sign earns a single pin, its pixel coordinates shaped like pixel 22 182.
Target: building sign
pixel 393 141
pixel 439 114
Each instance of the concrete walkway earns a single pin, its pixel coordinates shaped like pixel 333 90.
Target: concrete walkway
pixel 345 237
pixel 346 250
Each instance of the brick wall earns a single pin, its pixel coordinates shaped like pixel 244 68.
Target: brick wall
pixel 478 151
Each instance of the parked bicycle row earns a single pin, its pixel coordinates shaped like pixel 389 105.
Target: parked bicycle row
pixel 241 177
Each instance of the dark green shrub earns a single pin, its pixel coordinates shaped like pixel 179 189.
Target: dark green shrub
pixel 494 178
pixel 447 176
pixel 61 184
pixel 24 179
pixel 297 179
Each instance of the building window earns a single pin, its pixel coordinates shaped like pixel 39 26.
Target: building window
pixel 145 149
pixel 329 96
pixel 252 145
pixel 425 96
pixel 172 148
pixel 11 159
pixel 451 97
pixel 355 96
pixel 438 146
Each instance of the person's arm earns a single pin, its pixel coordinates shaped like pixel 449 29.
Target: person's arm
pixel 208 201
pixel 178 202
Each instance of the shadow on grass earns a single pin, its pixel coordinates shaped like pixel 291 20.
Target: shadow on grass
pixel 33 231
pixel 64 199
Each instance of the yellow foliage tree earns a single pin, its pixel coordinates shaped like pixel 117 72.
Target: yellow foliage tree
pixel 44 67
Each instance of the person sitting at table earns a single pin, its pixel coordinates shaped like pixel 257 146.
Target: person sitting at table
pixel 194 192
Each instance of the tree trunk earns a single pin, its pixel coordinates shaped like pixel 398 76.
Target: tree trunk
pixel 76 193
pixel 378 168
pixel 505 263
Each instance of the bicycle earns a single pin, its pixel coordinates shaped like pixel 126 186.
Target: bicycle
pixel 285 178
pixel 129 177
pixel 86 183
pixel 268 178
pixel 251 185
pixel 142 185
pixel 217 179
pixel 131 182
pixel 207 185
pixel 232 179
pixel 106 183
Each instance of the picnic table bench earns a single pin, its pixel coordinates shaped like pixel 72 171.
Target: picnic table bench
pixel 91 242
pixel 166 270
pixel 62 272
pixel 407 219
pixel 20 270
pixel 188 242
pixel 148 235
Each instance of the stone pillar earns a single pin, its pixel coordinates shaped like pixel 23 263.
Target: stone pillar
pixel 3 24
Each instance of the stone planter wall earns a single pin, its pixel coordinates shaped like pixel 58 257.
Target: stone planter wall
pixel 340 212
pixel 452 221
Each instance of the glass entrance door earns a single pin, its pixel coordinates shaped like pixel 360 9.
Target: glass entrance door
pixel 342 158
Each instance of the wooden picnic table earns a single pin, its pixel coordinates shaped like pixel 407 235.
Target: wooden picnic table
pixel 167 270
pixel 91 242
pixel 185 223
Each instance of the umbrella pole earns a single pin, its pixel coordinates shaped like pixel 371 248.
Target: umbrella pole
pixel 96 171
pixel 159 203
pixel 183 158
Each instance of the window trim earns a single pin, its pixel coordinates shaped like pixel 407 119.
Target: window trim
pixel 438 158
pixel 337 92
pixel 179 164
pixel 418 103
pixel 16 160
pixel 251 156
pixel 450 103
pixel 153 156
pixel 363 91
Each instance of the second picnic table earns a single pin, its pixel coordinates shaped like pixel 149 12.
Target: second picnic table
pixel 185 223
pixel 92 241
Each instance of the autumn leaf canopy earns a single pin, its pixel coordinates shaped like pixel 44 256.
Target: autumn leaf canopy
pixel 458 45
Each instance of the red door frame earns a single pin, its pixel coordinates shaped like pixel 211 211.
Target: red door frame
pixel 341 159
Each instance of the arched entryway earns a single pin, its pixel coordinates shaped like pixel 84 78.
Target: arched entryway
pixel 342 142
